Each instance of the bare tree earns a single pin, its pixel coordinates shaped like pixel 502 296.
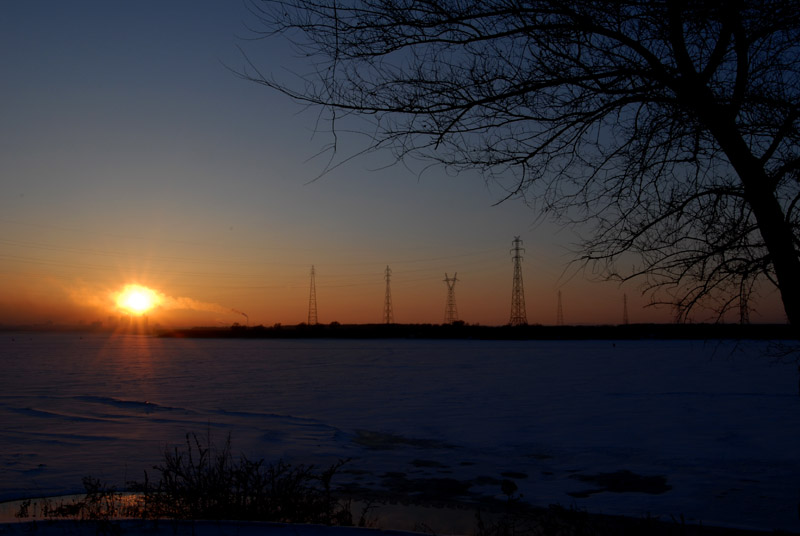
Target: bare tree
pixel 670 126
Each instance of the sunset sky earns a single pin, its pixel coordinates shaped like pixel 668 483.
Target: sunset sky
pixel 130 153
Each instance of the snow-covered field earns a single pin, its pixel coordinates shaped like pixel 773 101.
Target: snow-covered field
pixel 719 422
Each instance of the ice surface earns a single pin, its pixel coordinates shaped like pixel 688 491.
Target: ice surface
pixel 720 422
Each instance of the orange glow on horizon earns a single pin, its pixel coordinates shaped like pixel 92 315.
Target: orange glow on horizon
pixel 137 299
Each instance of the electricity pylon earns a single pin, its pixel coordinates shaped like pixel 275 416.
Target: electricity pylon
pixel 388 314
pixel 625 309
pixel 518 316
pixel 559 312
pixel 744 307
pixel 450 311
pixel 312 301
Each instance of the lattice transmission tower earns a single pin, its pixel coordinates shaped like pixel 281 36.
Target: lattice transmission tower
pixel 518 316
pixel 744 306
pixel 625 309
pixel 559 312
pixel 450 311
pixel 388 314
pixel 312 300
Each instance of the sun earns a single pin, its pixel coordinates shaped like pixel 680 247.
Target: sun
pixel 137 299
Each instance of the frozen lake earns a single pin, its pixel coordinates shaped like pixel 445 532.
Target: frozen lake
pixel 714 426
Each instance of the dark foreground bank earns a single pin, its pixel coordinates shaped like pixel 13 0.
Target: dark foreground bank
pixel 460 330
pixel 544 522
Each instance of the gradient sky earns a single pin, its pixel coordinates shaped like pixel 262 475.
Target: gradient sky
pixel 131 153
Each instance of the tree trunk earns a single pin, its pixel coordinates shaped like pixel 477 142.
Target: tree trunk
pixel 771 220
pixel 779 240
pixel 720 120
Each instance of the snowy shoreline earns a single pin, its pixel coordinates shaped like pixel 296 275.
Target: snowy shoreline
pixel 707 431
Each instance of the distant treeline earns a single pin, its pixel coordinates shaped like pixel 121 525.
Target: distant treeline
pixel 459 330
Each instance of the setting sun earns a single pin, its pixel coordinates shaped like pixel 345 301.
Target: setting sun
pixel 137 299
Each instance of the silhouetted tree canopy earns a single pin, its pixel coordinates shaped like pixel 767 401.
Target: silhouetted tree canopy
pixel 670 127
